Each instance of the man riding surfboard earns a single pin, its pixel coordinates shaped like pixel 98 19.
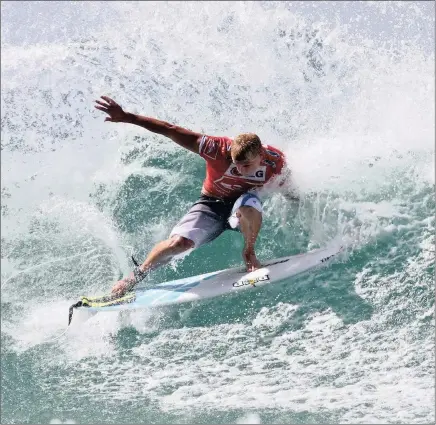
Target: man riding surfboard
pixel 235 170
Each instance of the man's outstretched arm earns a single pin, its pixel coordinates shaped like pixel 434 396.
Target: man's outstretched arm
pixel 186 138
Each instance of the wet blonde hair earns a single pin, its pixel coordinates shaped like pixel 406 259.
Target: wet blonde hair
pixel 245 146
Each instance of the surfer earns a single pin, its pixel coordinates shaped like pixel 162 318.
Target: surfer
pixel 235 171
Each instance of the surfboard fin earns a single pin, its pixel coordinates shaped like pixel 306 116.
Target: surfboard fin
pixel 71 310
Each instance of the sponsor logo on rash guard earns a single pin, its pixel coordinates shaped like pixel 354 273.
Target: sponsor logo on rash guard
pixel 272 153
pixel 259 174
pixel 270 163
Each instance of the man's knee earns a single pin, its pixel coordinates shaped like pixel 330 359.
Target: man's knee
pixel 247 212
pixel 180 243
pixel 248 216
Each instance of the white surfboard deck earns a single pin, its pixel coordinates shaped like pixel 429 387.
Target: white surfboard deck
pixel 226 281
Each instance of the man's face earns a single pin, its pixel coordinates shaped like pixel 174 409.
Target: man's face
pixel 249 166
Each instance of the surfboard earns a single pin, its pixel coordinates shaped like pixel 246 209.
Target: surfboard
pixel 212 284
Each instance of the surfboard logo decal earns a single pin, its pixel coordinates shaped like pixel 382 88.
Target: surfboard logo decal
pixel 323 260
pixel 277 262
pixel 246 282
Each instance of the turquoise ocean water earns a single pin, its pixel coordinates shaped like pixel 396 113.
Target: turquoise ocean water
pixel 346 89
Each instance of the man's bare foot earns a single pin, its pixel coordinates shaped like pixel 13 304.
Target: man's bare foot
pixel 251 261
pixel 123 285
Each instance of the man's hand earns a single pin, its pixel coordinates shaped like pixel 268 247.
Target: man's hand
pixel 250 260
pixel 115 111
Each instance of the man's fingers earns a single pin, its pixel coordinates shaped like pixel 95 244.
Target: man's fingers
pixel 102 103
pixel 109 100
pixel 102 108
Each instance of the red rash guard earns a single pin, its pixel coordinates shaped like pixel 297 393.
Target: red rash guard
pixel 222 177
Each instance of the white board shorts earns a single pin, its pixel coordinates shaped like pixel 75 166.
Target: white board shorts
pixel 210 216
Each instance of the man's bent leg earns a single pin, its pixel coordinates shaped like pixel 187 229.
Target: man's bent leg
pixel 200 225
pixel 164 251
pixel 161 254
pixel 250 222
pixel 246 216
